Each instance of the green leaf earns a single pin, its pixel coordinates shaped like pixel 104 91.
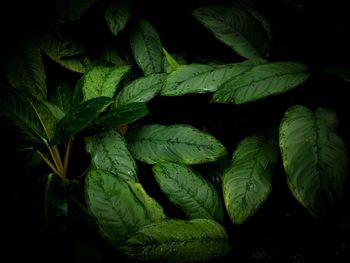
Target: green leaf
pixel 171 61
pixel 117 15
pixel 189 191
pixel 79 117
pixel 140 90
pixel 178 241
pixel 61 96
pixel 262 81
pixel 146 47
pixel 20 112
pixel 108 151
pixel 71 10
pixel 235 28
pixel 65 51
pixel 117 209
pixel 102 80
pixel 314 158
pixel 201 78
pixel 111 54
pixel 247 182
pixel 55 204
pixel 55 111
pixel 126 114
pixel 177 143
pixel 25 69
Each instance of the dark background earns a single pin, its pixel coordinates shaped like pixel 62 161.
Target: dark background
pixel 282 230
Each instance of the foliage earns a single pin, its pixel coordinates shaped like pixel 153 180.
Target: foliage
pixel 101 95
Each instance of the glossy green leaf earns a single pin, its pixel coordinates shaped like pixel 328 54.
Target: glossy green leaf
pixel 71 10
pixel 178 241
pixel 146 47
pixel 79 117
pixel 314 158
pixel 202 78
pixel 247 182
pixel 189 191
pixel 55 111
pixel 65 51
pixel 117 15
pixel 262 81
pixel 55 204
pixel 140 90
pixel 108 151
pixel 102 80
pixel 171 61
pixel 25 69
pixel 126 114
pixel 117 209
pixel 235 28
pixel 177 143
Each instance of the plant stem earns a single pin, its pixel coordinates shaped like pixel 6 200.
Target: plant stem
pixel 67 154
pixel 49 163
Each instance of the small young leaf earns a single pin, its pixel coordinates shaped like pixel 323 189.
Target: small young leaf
pixel 65 51
pixel 71 10
pixel 117 15
pixel 235 28
pixel 146 47
pixel 119 212
pixel 177 143
pixel 25 69
pixel 201 78
pixel 124 115
pixel 102 80
pixel 140 90
pixel 314 158
pixel 262 81
pixel 174 241
pixel 79 117
pixel 247 182
pixel 108 151
pixel 171 61
pixel 189 191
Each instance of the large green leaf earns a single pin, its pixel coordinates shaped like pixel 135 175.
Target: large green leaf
pixel 102 80
pixel 108 151
pixel 25 69
pixel 70 10
pixel 118 210
pixel 126 114
pixel 79 117
pixel 117 15
pixel 314 157
pixel 146 47
pixel 178 241
pixel 262 81
pixel 140 90
pixel 65 51
pixel 177 143
pixel 201 78
pixel 235 28
pixel 247 182
pixel 189 191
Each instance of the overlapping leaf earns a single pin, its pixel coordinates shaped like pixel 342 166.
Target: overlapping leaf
pixel 178 241
pixel 118 210
pixel 189 191
pixel 140 90
pixel 102 80
pixel 177 143
pixel 108 151
pixel 247 182
pixel 262 81
pixel 146 47
pixel 201 78
pixel 236 28
pixel 314 157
